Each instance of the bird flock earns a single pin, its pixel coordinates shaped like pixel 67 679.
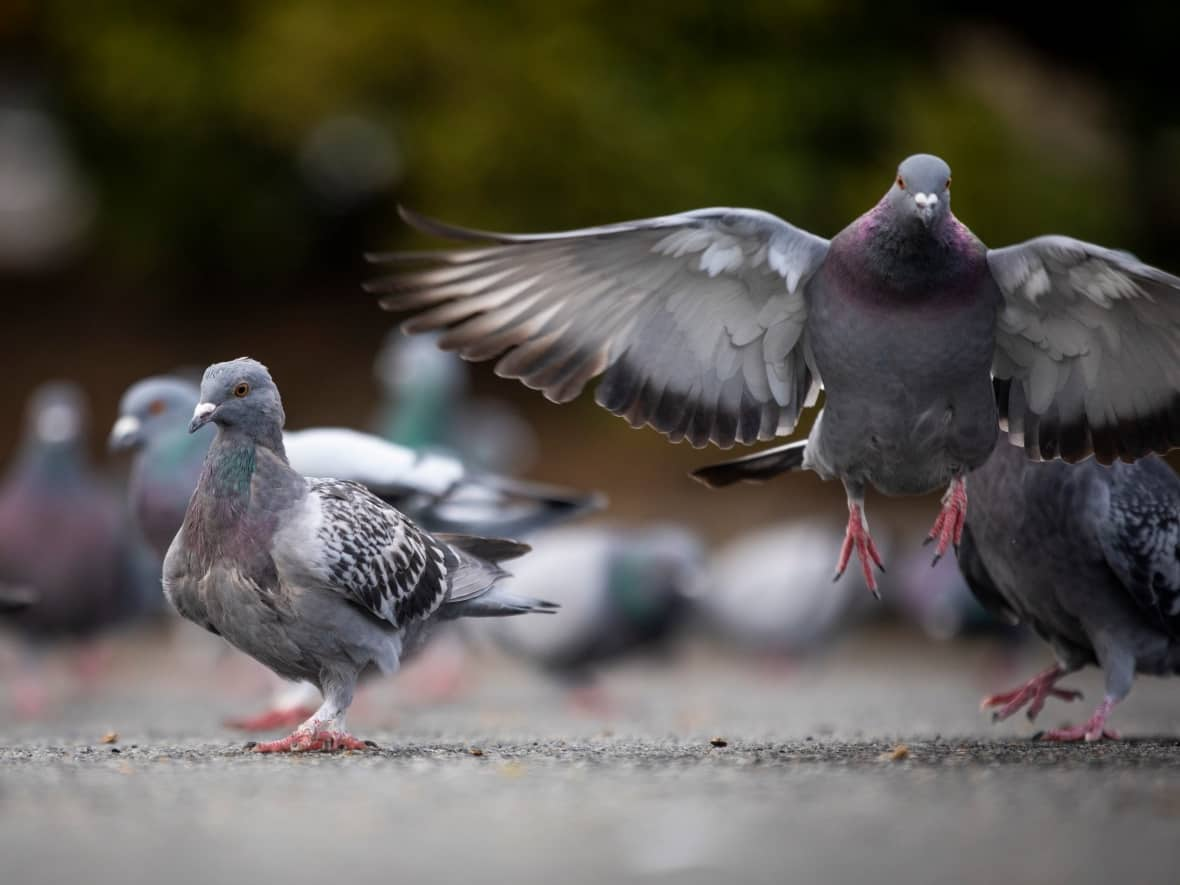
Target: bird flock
pixel 1035 385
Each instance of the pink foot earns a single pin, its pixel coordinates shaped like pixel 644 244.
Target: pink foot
pixel 1094 730
pixel 1034 693
pixel 857 536
pixel 310 741
pixel 30 698
pixel 272 719
pixel 948 528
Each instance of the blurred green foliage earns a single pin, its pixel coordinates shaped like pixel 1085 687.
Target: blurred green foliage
pixel 190 117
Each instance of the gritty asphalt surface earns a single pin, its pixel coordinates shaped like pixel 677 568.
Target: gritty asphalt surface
pixel 868 764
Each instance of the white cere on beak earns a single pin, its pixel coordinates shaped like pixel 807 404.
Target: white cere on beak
pixel 926 201
pixel 124 427
pixel 203 410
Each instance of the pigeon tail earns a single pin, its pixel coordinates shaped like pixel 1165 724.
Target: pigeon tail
pixel 489 549
pixel 474 593
pixel 497 603
pixel 757 467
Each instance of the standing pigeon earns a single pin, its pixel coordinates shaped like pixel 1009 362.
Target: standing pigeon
pixel 720 326
pixel 1090 557
pixel 436 490
pixel 64 549
pixel 318 579
pixel 622 592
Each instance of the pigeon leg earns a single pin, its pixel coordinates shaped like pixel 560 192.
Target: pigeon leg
pixel 1093 730
pixel 324 731
pixel 948 528
pixel 857 537
pixel 1033 693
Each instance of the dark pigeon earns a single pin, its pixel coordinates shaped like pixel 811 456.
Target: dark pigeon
pixel 720 325
pixel 67 562
pixel 317 579
pixel 1089 556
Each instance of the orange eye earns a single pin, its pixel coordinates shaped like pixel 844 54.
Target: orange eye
pixel 241 389
pixel 901 182
pixel 157 407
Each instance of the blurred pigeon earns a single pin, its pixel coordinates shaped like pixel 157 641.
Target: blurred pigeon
pixel 427 407
pixel 771 590
pixel 720 326
pixel 436 490
pixel 1090 557
pixel 64 548
pixel 939 599
pixel 621 591
pixel 318 579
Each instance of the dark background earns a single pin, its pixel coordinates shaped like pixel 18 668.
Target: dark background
pixel 185 182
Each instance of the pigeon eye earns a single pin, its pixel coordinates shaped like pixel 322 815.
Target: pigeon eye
pixel 157 407
pixel 901 182
pixel 241 389
pixel 947 186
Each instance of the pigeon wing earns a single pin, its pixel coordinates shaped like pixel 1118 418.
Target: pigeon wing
pixel 1087 351
pixel 695 321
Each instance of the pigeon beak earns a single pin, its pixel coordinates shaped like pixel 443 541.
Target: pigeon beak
pixel 125 434
pixel 201 415
pixel 926 204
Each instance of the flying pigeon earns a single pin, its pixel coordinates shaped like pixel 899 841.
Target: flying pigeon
pixel 67 567
pixel 318 579
pixel 622 591
pixel 1090 557
pixel 436 490
pixel 720 325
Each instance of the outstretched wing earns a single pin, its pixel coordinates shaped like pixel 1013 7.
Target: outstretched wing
pixel 1140 538
pixel 695 321
pixel 1087 351
pixel 357 545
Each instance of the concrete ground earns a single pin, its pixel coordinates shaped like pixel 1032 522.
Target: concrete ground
pixel 869 763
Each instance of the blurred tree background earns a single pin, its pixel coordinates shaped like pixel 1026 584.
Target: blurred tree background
pixel 182 181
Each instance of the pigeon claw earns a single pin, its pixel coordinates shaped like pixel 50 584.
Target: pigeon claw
pixel 312 741
pixel 1032 694
pixel 1094 729
pixel 947 530
pixel 857 538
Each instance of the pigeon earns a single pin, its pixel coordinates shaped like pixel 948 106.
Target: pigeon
pixel 939 601
pixel 67 567
pixel 770 590
pixel 318 579
pixel 1089 555
pixel 436 490
pixel 721 325
pixel 427 406
pixel 622 591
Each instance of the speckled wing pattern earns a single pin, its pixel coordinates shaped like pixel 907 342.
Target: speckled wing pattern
pixel 376 557
pixel 695 321
pixel 1141 539
pixel 1087 351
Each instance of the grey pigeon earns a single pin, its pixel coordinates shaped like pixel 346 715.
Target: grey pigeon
pixel 67 567
pixel 771 590
pixel 317 579
pixel 720 325
pixel 436 490
pixel 622 591
pixel 427 406
pixel 1089 556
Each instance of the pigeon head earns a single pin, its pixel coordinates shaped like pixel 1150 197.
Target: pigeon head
pixel 56 416
pixel 922 190
pixel 150 408
pixel 241 396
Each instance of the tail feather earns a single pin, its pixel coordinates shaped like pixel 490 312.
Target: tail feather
pixel 508 506
pixel 487 549
pixel 497 603
pixel 757 467
pixel 15 599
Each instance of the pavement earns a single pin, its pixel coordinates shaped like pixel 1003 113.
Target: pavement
pixel 867 763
